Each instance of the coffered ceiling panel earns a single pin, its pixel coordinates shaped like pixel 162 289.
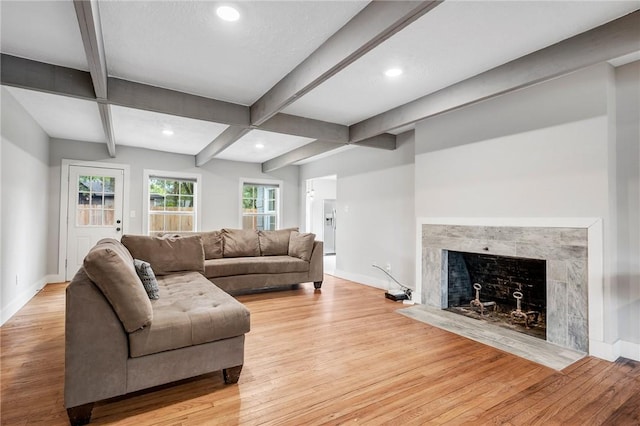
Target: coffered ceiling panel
pixel 258 146
pixel 184 46
pixel 61 116
pixel 45 31
pixel 455 41
pixel 162 132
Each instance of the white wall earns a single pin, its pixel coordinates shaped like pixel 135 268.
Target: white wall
pixel 25 195
pixel 544 151
pixel 220 185
pixel 628 199
pixel 375 211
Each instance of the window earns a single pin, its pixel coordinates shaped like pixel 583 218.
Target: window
pixel 260 206
pixel 95 201
pixel 171 202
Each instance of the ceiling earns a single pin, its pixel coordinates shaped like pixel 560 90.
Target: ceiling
pixel 315 67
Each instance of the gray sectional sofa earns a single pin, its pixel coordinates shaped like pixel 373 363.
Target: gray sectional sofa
pixel 118 340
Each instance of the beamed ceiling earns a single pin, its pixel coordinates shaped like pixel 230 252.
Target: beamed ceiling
pixel 291 80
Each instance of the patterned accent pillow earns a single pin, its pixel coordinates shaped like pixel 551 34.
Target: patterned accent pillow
pixel 148 278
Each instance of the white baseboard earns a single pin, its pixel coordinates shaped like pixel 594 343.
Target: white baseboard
pixel 362 279
pixel 22 299
pixel 613 351
pixel 630 350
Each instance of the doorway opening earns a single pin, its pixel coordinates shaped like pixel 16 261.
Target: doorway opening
pixel 321 216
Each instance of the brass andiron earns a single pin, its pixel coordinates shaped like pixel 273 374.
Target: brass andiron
pixel 476 303
pixel 528 317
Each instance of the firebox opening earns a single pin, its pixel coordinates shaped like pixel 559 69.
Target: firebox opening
pixel 507 291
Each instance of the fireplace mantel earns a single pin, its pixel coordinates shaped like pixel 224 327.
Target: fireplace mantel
pixel 565 249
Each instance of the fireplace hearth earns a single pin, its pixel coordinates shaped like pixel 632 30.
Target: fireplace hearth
pixel 506 291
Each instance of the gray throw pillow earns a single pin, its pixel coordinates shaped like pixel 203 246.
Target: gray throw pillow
pixel 148 278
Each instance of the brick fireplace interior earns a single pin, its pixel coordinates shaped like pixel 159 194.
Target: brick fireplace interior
pixel 488 287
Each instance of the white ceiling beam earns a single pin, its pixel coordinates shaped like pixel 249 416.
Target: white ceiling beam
pixel 306 127
pixel 219 144
pixel 302 153
pixel 383 141
pixel 378 21
pixel 609 41
pixel 88 15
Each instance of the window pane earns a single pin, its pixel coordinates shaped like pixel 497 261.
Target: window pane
pixel 83 199
pixel 156 186
pixel 156 202
pixel 186 203
pixel 156 222
pixel 84 183
pixel 172 222
pixel 171 203
pixel 96 201
pixel 96 217
pixel 186 223
pixel 109 202
pixel 249 222
pixel 186 188
pixel 172 187
pixel 109 217
pixel 109 184
pixel 82 216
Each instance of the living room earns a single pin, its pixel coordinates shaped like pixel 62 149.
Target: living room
pixel 564 147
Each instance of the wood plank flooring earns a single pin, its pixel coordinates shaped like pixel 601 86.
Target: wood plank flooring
pixel 341 355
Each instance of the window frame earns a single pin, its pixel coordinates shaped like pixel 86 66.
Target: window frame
pixel 279 196
pixel 164 174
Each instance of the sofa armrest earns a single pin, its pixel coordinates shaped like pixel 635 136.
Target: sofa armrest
pixel 316 263
pixel 96 346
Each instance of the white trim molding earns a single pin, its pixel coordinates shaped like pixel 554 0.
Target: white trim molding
pixel 147 173
pixel 275 182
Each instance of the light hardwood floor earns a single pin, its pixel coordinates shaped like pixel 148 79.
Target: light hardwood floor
pixel 341 355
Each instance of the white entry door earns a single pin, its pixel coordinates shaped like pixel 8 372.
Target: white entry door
pixel 94 211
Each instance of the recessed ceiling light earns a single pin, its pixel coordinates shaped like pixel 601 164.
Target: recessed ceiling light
pixel 228 13
pixel 167 132
pixel 259 146
pixel 393 72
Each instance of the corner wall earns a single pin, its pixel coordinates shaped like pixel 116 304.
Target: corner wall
pixel 375 211
pixel 24 208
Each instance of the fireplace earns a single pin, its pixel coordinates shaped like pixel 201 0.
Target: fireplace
pixel 562 248
pixel 501 290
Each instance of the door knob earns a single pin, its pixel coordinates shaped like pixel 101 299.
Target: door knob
pixel 118 221
pixel 118 229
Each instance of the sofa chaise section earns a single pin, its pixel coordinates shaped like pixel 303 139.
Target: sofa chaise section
pixel 117 341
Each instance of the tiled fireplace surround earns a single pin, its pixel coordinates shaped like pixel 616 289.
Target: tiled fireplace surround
pixel 572 248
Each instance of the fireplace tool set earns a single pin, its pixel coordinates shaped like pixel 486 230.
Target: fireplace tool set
pixel 529 317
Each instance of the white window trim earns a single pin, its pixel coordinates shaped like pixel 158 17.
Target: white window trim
pixel 278 183
pixel 147 173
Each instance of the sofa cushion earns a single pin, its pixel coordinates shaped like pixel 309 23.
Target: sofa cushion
pixel 211 241
pixel 148 278
pixel 168 253
pixel 191 311
pixel 301 245
pixel 253 265
pixel 275 243
pixel 110 266
pixel 240 243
